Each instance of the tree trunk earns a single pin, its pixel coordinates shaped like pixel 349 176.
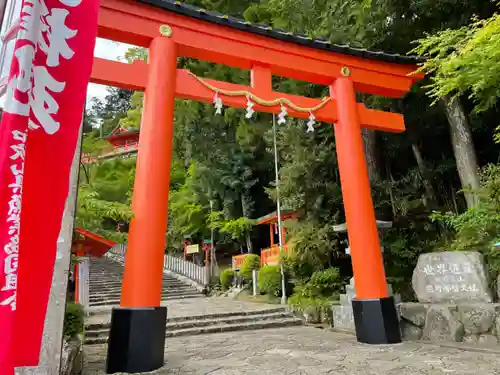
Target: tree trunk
pixel 370 146
pixel 463 148
pixel 246 214
pixel 430 194
pixel 213 257
pixel 391 193
pixel 249 242
pixel 374 172
pixel 453 198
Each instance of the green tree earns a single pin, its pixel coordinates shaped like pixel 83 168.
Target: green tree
pixel 464 61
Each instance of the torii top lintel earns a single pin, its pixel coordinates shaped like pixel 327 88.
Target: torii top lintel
pixel 265 51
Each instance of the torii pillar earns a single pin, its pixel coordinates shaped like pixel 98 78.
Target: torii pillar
pixel 375 315
pixel 137 334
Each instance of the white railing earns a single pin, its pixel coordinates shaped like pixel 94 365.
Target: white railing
pixel 190 270
pixel 119 250
pixel 83 282
pixel 198 274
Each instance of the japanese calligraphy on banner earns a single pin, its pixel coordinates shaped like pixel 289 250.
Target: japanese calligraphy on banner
pixel 45 96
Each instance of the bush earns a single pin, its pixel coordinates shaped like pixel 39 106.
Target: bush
pixel 250 262
pixel 270 280
pixel 226 278
pixel 73 320
pixel 318 309
pixel 301 302
pixel 323 284
pixel 296 268
pixel 478 228
pixel 310 246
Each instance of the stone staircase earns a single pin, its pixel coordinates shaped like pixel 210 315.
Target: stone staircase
pixel 213 323
pixel 106 281
pixel 192 315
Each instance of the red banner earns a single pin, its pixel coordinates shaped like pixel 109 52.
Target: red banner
pixel 43 111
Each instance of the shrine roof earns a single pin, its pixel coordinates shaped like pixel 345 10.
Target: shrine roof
pixel 282 35
pixel 94 244
pixel 273 217
pixel 123 134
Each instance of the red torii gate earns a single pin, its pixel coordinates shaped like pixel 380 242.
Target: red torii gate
pixel 170 29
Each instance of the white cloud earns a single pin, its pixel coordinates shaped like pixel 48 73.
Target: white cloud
pixel 109 50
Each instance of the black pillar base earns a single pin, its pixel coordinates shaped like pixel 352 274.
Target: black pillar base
pixel 136 339
pixel 376 321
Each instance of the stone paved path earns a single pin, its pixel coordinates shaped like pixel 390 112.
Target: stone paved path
pixel 304 351
pixel 187 307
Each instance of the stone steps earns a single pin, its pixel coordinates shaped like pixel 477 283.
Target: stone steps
pixel 97 298
pixel 105 284
pixel 119 286
pixel 197 325
pixel 116 300
pixel 115 283
pixel 112 293
pixel 117 289
pixel 229 314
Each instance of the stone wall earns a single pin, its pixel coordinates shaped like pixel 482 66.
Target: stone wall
pixel 455 302
pixel 313 314
pixel 72 357
pixel 472 322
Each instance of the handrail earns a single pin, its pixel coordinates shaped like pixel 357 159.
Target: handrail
pixel 271 256
pixel 176 265
pixel 186 268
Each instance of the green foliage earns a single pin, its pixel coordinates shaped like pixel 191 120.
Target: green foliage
pixel 465 60
pixel 305 303
pixel 73 320
pixel 226 278
pixel 215 220
pixel 106 114
pixel 92 211
pixel 270 280
pixel 250 263
pixel 322 284
pixel 132 120
pixel 478 228
pixel 295 268
pixel 136 54
pixel 188 213
pixel 310 246
pixel 237 228
pixel 93 145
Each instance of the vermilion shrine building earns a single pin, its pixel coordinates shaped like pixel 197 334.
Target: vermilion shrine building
pixel 170 29
pixel 270 255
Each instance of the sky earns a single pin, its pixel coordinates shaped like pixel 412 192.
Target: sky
pixel 105 49
pixel 108 50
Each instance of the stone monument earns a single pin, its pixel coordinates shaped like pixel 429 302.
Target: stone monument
pixel 451 277
pixel 455 300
